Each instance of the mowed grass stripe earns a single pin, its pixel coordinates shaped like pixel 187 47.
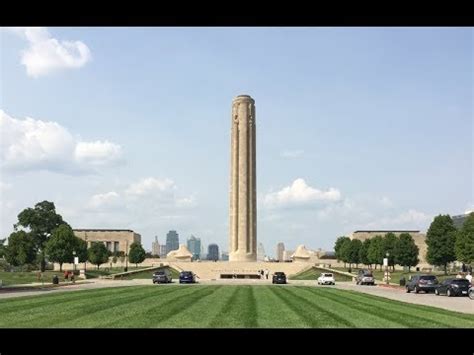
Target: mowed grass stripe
pixel 313 314
pixel 344 310
pixel 109 312
pixel 14 304
pixel 408 314
pixel 363 312
pixel 153 315
pixel 272 313
pixel 239 311
pixel 201 312
pixel 60 314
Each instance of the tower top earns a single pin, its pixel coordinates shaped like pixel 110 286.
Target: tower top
pixel 244 97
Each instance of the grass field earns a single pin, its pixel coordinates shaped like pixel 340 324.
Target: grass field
pixel 197 306
pixel 314 273
pixel 27 277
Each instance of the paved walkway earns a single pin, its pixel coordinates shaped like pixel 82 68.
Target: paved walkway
pixel 457 304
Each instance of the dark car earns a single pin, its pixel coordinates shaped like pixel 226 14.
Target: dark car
pixel 426 283
pixel 453 287
pixel 365 277
pixel 279 278
pixel 162 276
pixel 187 277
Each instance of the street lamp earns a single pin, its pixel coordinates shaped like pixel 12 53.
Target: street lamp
pixel 74 261
pixel 85 262
pixel 126 255
pixel 386 268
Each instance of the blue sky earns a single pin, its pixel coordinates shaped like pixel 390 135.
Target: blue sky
pixel 130 128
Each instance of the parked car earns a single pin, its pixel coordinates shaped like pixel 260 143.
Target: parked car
pixel 426 283
pixel 162 276
pixel 326 279
pixel 365 277
pixel 471 293
pixel 453 287
pixel 279 278
pixel 187 277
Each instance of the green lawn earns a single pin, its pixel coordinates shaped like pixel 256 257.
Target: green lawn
pixel 202 306
pixel 27 277
pixel 13 278
pixel 314 273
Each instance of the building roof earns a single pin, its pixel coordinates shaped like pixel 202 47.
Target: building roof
pixel 387 231
pixel 103 230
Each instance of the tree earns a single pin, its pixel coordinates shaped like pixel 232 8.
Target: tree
pixel 137 254
pixel 338 248
pixel 81 249
pixel 354 250
pixel 389 243
pixel 60 246
pixel 20 249
pixel 440 239
pixel 464 245
pixel 2 247
pixel 98 254
pixel 406 251
pixel 41 221
pixel 363 253
pixel 375 253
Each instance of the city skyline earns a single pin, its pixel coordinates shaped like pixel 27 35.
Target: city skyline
pixel 353 127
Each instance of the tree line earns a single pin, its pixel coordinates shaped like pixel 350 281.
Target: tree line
pixel 445 244
pixel 41 235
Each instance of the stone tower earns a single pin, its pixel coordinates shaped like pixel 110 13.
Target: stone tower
pixel 243 187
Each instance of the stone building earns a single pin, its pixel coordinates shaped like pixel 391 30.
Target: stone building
pixel 116 240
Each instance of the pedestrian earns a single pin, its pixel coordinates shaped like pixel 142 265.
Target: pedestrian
pixel 261 274
pixel 72 278
pixel 266 274
pixel 66 275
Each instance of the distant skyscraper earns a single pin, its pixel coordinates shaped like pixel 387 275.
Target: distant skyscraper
pixel 163 251
pixel 155 247
pixel 225 256
pixel 213 252
pixel 260 252
pixel 172 241
pixel 194 246
pixel 279 251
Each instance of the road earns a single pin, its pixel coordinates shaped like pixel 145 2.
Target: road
pixel 457 304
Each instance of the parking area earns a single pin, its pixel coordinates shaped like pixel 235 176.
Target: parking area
pixel 457 304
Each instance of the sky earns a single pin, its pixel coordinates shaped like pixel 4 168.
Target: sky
pixel 129 128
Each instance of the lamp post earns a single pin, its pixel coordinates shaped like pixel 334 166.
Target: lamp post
pixel 74 261
pixel 126 255
pixel 85 262
pixel 386 268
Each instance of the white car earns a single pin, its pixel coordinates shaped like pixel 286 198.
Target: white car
pixel 326 279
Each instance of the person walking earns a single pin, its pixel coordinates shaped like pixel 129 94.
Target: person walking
pixel 66 275
pixel 72 278
pixel 469 278
pixel 266 274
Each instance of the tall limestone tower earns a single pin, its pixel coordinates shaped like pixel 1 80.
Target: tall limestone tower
pixel 243 184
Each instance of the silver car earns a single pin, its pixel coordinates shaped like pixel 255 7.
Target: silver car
pixel 365 277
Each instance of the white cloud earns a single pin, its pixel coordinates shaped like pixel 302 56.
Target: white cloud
pixel 107 199
pixel 150 185
pixel 98 152
pixel 46 54
pixel 31 144
pixel 292 154
pixel 299 193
